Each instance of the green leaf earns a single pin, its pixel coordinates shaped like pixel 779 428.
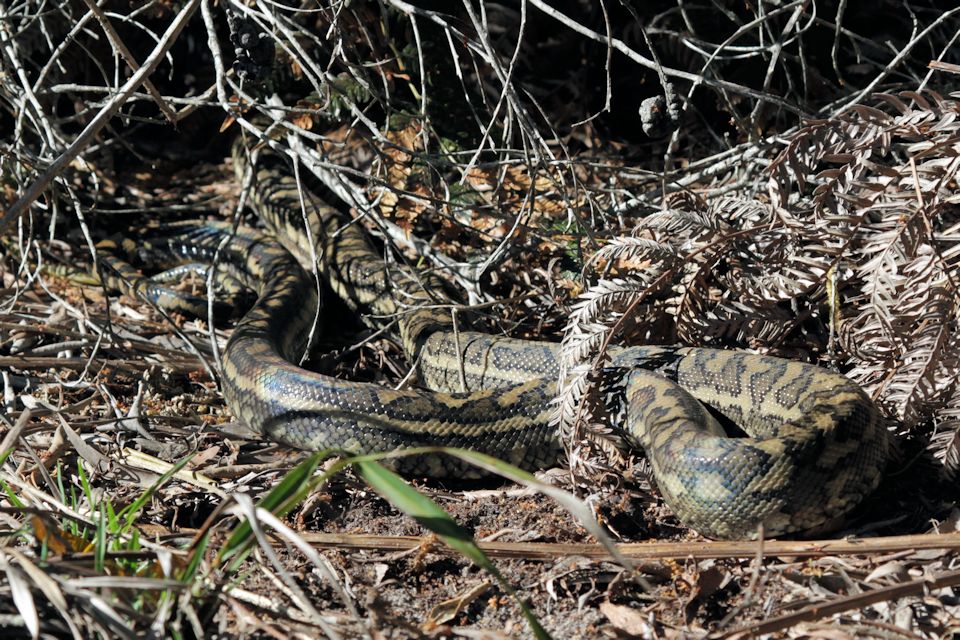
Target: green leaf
pixel 130 512
pixel 85 484
pixel 426 512
pixel 495 466
pixel 100 543
pixel 287 494
pixel 568 501
pixel 197 552
pixel 12 496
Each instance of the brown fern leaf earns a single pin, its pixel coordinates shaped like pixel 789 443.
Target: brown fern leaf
pixel 945 442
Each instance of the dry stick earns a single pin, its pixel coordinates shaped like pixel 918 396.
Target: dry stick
pixel 625 49
pixel 135 344
pixel 11 437
pixel 905 51
pixel 741 30
pixel 100 120
pixel 657 550
pixel 751 592
pixel 54 59
pixel 203 100
pixel 776 51
pixel 350 192
pixel 838 21
pixel 119 45
pixel 191 105
pixel 9 45
pixel 79 364
pixel 537 152
pixel 837 605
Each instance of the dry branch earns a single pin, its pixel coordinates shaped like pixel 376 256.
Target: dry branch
pixel 700 550
pixel 39 185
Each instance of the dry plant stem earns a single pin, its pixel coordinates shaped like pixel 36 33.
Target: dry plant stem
pixel 465 275
pixel 67 41
pixel 35 111
pixel 505 77
pixel 841 8
pixel 622 47
pixel 345 189
pixel 932 68
pixel 845 603
pixel 256 517
pixel 702 550
pixel 293 48
pixel 115 40
pixel 536 150
pixel 751 593
pixel 191 105
pixel 101 119
pixel 918 190
pixel 79 364
pixel 776 55
pixel 743 29
pixel 944 66
pixel 13 434
pixel 137 344
pixel 895 63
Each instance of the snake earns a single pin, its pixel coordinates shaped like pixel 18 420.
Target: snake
pixel 739 444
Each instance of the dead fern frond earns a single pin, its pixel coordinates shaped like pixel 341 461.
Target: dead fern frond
pixel 945 442
pixel 595 320
pixel 695 225
pixel 632 252
pixel 862 206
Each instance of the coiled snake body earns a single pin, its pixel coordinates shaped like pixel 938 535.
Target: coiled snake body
pixel 815 448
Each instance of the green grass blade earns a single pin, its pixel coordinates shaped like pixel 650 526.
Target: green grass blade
pixel 189 573
pixel 112 523
pixel 85 485
pixel 568 501
pixel 12 496
pixel 426 512
pixel 495 466
pixel 287 494
pixel 100 543
pixel 129 513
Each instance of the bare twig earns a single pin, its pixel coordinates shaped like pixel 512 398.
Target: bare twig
pixel 117 42
pixel 700 550
pixel 846 603
pixel 38 186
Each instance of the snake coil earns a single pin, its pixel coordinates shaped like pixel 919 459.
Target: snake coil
pixel 815 444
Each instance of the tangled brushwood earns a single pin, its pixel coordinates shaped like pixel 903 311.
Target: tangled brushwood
pixel 852 257
pixel 778 176
pixel 832 242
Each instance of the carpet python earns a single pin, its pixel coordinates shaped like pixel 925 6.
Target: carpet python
pixel 814 445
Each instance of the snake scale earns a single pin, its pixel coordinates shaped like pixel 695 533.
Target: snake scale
pixel 814 443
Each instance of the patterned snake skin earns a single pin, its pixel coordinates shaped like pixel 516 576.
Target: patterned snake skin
pixel 814 445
